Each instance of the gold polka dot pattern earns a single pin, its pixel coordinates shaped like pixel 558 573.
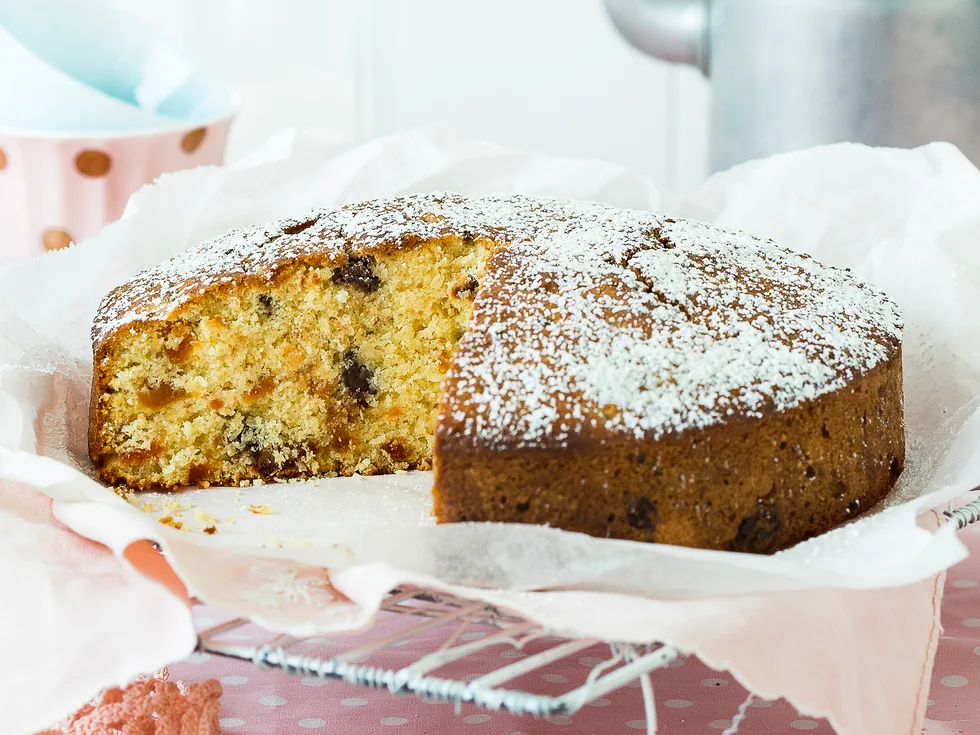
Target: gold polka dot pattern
pixel 55 239
pixel 93 163
pixel 193 139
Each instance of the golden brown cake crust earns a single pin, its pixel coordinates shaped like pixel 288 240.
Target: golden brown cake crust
pixel 752 485
pixel 618 370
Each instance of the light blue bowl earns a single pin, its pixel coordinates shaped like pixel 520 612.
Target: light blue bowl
pixel 77 66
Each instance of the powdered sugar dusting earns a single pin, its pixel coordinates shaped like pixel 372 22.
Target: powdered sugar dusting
pixel 588 317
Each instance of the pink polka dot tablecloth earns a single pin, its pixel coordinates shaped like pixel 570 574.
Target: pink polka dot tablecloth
pixel 691 698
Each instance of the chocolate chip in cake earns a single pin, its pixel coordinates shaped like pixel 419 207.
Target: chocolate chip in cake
pixel 465 288
pixel 358 272
pixel 358 378
pixel 266 306
pixel 756 533
pixel 244 433
pixel 641 513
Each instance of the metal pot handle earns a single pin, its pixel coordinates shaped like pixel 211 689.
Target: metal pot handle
pixel 672 30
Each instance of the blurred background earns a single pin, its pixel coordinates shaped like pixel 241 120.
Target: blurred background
pixel 103 96
pixel 546 75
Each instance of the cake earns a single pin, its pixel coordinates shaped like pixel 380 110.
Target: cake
pixel 601 370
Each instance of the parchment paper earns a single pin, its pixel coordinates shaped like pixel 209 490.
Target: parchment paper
pixel 908 221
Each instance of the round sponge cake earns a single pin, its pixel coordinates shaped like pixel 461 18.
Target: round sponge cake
pixel 601 370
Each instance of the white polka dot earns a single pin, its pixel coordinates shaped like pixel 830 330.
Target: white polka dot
pixel 804 724
pixel 977 650
pixel 231 722
pixel 476 719
pixel 929 703
pixel 198 657
pixel 637 724
pixel 394 721
pixel 204 622
pixel 720 724
pixel 555 678
pixel 234 681
pixel 353 702
pixel 964 584
pixel 677 703
pixel 714 682
pixel 599 702
pixel 971 623
pixel 512 653
pixel 590 661
pixel 760 703
pixel 273 700
pixel 311 723
pixel 559 719
pixel 954 681
pixel 472 636
pixel 313 681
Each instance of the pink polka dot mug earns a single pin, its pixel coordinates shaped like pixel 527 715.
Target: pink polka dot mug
pixel 55 189
pixel 93 105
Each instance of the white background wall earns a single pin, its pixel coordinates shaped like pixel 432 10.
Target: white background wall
pixel 546 75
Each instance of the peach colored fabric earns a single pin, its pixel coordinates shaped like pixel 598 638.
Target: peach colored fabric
pixel 154 706
pixel 150 563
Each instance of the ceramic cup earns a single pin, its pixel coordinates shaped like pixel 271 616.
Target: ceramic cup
pixel 95 105
pixel 55 190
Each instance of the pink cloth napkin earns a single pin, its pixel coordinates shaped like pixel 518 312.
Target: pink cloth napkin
pixel 76 618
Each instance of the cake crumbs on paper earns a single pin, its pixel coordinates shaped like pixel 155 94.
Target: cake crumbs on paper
pixel 400 472
pixel 176 507
pixel 169 521
pixel 201 517
pixel 260 510
pixel 211 530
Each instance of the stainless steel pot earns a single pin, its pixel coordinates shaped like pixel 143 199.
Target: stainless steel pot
pixel 790 74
